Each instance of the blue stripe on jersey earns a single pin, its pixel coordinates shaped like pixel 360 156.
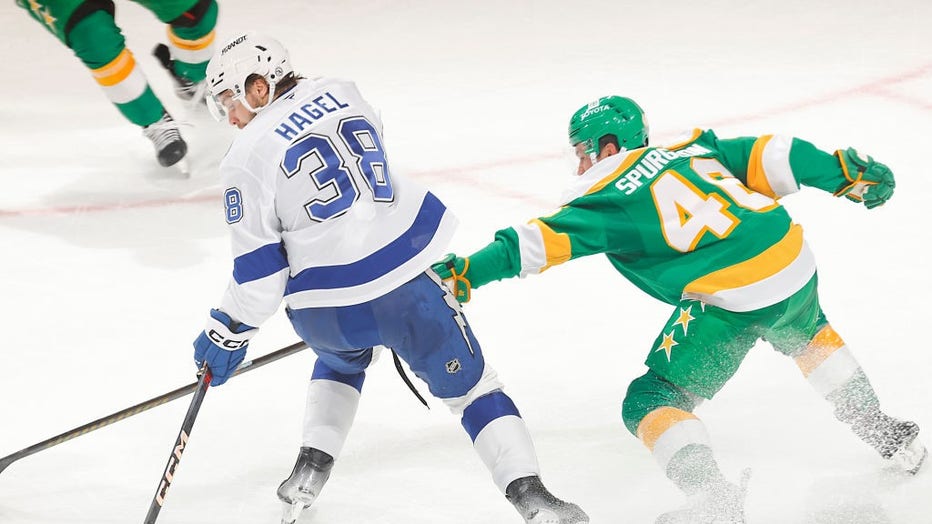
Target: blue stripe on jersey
pixel 324 372
pixel 485 409
pixel 381 262
pixel 260 263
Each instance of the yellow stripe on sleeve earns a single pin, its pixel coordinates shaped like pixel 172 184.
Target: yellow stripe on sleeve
pixel 557 246
pixel 692 138
pixel 117 70
pixel 770 262
pixel 826 342
pixel 757 177
pixel 658 421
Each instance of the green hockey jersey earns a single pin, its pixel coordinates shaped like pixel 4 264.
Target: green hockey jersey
pixel 699 219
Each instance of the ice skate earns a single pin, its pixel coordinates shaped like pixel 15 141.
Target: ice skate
pixel 170 148
pixel 720 503
pixel 308 477
pixel 895 440
pixel 539 506
pixel 185 89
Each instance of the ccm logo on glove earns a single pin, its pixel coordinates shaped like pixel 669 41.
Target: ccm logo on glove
pixel 222 345
pixel 226 342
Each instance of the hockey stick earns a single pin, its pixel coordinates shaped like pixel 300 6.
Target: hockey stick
pixel 144 406
pixel 175 457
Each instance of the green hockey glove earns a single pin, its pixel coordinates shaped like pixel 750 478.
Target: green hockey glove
pixel 452 270
pixel 866 180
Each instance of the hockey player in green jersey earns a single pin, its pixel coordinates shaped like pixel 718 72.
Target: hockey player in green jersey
pixel 88 28
pixel 699 226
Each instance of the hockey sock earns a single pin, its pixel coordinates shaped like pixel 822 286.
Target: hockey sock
pixel 501 438
pixel 98 42
pixel 680 445
pixel 693 468
pixel 836 375
pixel 191 39
pixel 854 400
pixel 332 401
pixel 833 371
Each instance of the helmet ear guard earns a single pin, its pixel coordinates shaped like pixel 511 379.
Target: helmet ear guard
pixel 238 59
pixel 613 115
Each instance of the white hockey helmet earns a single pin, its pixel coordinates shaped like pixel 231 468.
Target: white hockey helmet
pixel 240 57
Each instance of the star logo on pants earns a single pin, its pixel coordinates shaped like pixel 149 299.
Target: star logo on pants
pixel 667 344
pixel 685 318
pixel 46 13
pixel 48 18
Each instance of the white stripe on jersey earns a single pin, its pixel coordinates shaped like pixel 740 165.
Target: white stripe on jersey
pixel 776 162
pixel 532 249
pixel 766 291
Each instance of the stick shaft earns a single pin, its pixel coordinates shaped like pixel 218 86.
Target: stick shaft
pixel 143 406
pixel 180 442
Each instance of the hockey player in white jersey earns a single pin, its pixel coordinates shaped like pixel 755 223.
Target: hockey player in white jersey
pixel 318 219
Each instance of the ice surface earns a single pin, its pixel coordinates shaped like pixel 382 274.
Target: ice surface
pixel 110 262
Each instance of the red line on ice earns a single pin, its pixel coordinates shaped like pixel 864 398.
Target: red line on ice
pixel 879 87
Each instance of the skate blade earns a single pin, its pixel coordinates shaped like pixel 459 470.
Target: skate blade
pixel 544 517
pixel 183 167
pixel 291 512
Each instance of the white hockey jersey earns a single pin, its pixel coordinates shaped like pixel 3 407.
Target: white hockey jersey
pixel 315 212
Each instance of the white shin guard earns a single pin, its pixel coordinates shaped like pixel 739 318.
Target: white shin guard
pixel 505 446
pixel 329 413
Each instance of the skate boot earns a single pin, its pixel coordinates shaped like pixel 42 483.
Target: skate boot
pixel 895 440
pixel 308 477
pixel 170 148
pixel 720 503
pixel 539 506
pixel 186 89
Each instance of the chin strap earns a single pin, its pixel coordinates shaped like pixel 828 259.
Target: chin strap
pixel 255 110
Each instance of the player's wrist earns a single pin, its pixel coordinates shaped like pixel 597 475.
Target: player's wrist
pixel 226 333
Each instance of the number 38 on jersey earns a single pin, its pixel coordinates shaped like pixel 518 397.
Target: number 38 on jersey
pixel 337 171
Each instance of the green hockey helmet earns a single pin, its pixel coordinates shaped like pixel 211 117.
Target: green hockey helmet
pixel 609 115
